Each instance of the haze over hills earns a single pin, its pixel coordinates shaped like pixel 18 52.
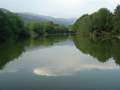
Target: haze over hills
pixel 27 17
pixel 18 26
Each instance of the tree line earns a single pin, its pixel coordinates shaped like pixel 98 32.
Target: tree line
pixel 100 22
pixel 12 27
pixel 46 28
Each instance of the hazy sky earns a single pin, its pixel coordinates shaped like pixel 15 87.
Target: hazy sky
pixel 58 8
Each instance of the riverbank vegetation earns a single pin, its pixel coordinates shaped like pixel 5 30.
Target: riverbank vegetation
pixel 12 27
pixel 46 28
pixel 102 22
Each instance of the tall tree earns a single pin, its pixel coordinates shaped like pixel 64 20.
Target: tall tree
pixel 116 20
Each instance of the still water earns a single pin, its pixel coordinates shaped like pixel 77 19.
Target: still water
pixel 60 63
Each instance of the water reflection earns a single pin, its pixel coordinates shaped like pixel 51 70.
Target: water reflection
pixel 102 49
pixel 60 62
pixel 57 55
pixel 12 50
pixel 68 71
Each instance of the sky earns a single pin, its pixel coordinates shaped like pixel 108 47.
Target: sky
pixel 58 8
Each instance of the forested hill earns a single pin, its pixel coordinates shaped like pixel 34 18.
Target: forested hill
pixel 100 22
pixel 29 17
pixel 11 25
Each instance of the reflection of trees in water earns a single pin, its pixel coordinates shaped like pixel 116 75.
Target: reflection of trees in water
pixel 102 49
pixel 46 41
pixel 12 50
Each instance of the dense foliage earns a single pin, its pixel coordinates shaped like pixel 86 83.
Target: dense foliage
pixel 10 26
pixel 45 28
pixel 101 22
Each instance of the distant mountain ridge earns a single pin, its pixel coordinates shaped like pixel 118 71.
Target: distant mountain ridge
pixel 27 17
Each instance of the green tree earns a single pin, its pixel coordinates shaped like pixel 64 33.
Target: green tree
pixel 101 21
pixel 97 23
pixel 11 26
pixel 116 20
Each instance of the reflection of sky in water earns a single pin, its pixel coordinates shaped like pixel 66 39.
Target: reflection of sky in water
pixel 58 60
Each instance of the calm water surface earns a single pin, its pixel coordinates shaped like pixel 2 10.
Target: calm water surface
pixel 60 63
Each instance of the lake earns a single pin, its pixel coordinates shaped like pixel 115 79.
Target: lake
pixel 60 63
